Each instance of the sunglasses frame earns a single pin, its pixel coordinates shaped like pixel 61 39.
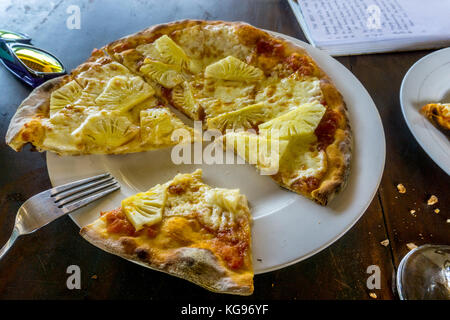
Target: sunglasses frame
pixel 21 70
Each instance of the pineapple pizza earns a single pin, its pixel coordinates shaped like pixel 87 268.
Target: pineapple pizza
pixel 251 86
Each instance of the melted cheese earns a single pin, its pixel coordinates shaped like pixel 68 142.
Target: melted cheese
pixel 290 92
pixel 302 160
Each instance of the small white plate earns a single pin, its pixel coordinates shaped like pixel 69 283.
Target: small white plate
pixel 287 227
pixel 427 81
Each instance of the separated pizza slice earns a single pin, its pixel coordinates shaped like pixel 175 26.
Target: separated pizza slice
pixel 184 228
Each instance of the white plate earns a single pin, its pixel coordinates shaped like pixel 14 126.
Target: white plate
pixel 427 81
pixel 287 228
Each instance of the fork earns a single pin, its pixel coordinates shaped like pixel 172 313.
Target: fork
pixel 47 206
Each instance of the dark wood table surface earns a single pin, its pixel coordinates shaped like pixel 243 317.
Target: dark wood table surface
pixel 35 268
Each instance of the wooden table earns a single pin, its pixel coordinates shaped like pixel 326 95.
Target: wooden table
pixel 35 268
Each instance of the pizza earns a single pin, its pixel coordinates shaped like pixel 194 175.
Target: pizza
pixel 186 229
pixel 438 114
pixel 252 87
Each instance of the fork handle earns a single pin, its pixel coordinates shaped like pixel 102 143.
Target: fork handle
pixel 15 234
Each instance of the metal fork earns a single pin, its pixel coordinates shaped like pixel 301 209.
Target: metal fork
pixel 51 204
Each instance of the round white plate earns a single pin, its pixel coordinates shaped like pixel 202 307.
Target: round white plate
pixel 427 81
pixel 287 227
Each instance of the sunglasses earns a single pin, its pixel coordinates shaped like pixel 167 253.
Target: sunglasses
pixel 32 65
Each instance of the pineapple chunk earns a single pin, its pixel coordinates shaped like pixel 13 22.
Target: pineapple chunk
pixel 245 118
pixel 263 152
pixel 165 74
pixel 145 208
pixel 67 94
pixel 158 124
pixel 123 93
pixel 228 199
pixel 184 100
pixel 301 121
pixel 224 208
pixel 149 50
pixel 106 128
pixel 231 68
pixel 171 52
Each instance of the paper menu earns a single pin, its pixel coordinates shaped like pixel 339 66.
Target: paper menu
pixel 366 26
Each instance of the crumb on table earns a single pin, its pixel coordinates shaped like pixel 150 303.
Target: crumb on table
pixel 401 188
pixel 433 200
pixel 385 242
pixel 411 245
pixel 373 295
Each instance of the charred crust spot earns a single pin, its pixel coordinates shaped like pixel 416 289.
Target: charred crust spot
pixel 189 261
pixel 142 253
pixel 128 244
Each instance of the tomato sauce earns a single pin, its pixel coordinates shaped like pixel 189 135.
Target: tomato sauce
pixel 300 64
pixel 326 129
pixel 268 47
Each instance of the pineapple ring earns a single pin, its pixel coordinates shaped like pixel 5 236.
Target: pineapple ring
pixel 231 68
pixel 107 129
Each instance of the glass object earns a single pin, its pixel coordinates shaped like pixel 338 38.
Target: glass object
pixel 424 274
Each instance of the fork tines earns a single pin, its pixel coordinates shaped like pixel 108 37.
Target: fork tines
pixel 77 194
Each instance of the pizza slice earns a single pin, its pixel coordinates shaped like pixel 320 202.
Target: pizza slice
pixel 184 228
pixel 439 115
pixel 100 108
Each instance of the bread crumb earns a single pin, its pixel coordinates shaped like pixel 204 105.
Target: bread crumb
pixel 373 295
pixel 412 211
pixel 437 210
pixel 94 277
pixel 401 188
pixel 448 220
pixel 411 246
pixel 433 200
pixel 385 242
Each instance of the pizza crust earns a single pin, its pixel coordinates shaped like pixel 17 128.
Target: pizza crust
pixel 197 265
pixel 34 107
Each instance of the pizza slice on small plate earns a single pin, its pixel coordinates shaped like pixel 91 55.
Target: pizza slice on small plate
pixel 439 115
pixel 184 228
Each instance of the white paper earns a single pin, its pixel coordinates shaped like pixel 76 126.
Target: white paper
pixel 377 25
